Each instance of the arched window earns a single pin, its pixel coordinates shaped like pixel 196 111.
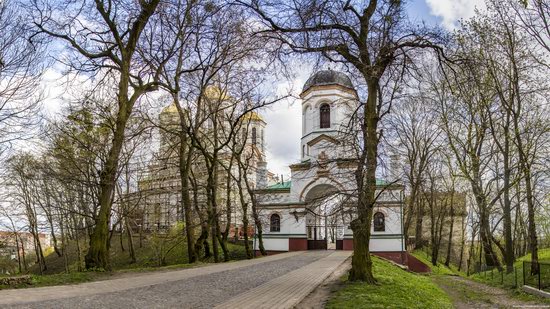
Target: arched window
pixel 305 121
pixel 379 222
pixel 325 116
pixel 275 223
pixel 253 136
pixel 262 139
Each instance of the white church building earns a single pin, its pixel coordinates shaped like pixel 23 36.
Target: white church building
pixel 314 209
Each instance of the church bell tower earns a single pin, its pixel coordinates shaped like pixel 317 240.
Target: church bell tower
pixel 328 102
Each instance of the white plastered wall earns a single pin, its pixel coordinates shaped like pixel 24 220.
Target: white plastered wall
pixel 292 226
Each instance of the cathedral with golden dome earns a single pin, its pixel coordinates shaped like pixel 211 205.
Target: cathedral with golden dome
pixel 158 194
pixel 313 210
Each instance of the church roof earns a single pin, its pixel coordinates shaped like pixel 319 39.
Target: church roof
pixel 280 185
pixel 253 116
pixel 287 184
pixel 328 77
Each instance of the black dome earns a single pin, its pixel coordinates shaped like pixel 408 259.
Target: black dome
pixel 328 77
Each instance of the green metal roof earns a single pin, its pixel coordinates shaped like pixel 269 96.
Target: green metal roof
pixel 286 184
pixel 279 185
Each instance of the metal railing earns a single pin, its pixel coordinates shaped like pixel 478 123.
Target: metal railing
pixel 497 275
pixel 537 275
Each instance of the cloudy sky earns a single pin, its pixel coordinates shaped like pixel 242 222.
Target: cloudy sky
pixel 283 129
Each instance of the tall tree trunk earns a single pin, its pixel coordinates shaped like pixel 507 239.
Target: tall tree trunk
pixel 18 253
pixel 63 243
pixel 533 243
pixel 450 239
pixel 507 214
pixel 202 241
pixel 223 236
pixel 418 243
pixel 441 220
pixel 365 177
pixel 49 218
pixel 259 228
pixel 23 255
pixel 212 194
pixel 98 254
pixel 131 250
pixel 525 164
pixel 471 251
pixel 484 224
pixel 484 233
pixel 121 235
pixel 255 214
pixel 462 242
pixel 247 249
pixel 185 156
pixel 504 148
pixel 244 208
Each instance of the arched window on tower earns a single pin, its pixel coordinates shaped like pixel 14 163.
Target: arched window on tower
pixel 275 223
pixel 262 139
pixel 253 136
pixel 305 122
pixel 379 222
pixel 325 116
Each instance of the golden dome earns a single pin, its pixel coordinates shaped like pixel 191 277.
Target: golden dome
pixel 215 93
pixel 170 109
pixel 253 116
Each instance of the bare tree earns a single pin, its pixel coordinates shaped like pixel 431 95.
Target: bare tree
pixel 115 45
pixel 416 134
pixel 534 18
pixel 20 71
pixel 24 177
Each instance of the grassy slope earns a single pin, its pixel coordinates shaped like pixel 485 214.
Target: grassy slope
pixel 146 261
pixel 396 289
pixel 509 280
pixel 146 256
pixel 438 269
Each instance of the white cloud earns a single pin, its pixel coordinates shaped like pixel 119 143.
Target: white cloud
pixel 451 11
pixel 284 127
pixel 53 90
pixel 283 133
pixel 61 87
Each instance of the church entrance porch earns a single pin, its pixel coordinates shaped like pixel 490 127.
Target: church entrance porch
pixel 324 225
pixel 325 237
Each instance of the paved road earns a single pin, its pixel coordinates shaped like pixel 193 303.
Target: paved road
pixel 219 285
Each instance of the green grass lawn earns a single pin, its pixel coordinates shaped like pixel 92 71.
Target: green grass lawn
pixel 439 269
pixel 397 288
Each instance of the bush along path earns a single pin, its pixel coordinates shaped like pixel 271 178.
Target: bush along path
pixel 465 294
